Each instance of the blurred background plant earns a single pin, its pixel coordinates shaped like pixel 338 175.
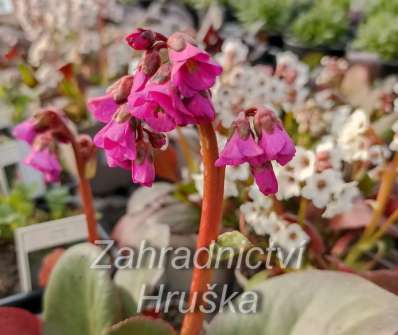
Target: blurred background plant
pixel 20 209
pixel 326 24
pixel 379 34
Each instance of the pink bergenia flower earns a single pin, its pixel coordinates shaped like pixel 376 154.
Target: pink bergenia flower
pixel 273 139
pixel 155 106
pixel 117 138
pixel 45 161
pixel 103 108
pixel 241 147
pixel 272 143
pixel 140 80
pixel 200 108
pixel 143 169
pixel 265 178
pixel 25 131
pixel 193 70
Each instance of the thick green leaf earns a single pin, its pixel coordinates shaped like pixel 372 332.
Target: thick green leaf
pixel 141 326
pixel 80 300
pixel 315 302
pixel 135 282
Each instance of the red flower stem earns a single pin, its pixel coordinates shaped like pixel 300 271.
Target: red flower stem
pixel 209 229
pixel 60 127
pixel 85 193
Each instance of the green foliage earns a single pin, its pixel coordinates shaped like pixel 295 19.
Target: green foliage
pixel 385 6
pixel 274 14
pixel 57 199
pixel 16 210
pixel 379 34
pixel 314 302
pixel 80 300
pixel 325 24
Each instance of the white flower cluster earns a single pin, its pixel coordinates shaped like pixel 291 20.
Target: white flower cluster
pixel 259 216
pixel 243 86
pixel 394 142
pixel 352 137
pixel 327 189
pixel 233 174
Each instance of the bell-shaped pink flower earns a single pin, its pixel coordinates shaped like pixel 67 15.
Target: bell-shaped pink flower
pixel 273 139
pixel 45 161
pixel 193 70
pixel 156 106
pixel 265 178
pixel 103 108
pixel 140 80
pixel 200 108
pixel 117 138
pixel 25 131
pixel 241 147
pixel 143 168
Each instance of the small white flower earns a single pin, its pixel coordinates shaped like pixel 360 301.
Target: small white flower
pixel 394 142
pixel 302 166
pixel 289 186
pixel 334 154
pixel 358 123
pixel 378 154
pixel 320 187
pixel 240 172
pixel 339 117
pixel 230 188
pixel 259 198
pixel 291 237
pixel 268 225
pixel 233 52
pixel 343 199
pixel 254 211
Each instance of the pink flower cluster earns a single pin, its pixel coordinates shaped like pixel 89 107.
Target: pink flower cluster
pixel 43 154
pixel 267 142
pixel 169 88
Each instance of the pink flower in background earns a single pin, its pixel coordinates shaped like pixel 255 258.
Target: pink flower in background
pixel 193 70
pixel 45 161
pixel 272 143
pixel 273 139
pixel 25 131
pixel 241 147
pixel 265 178
pixel 143 169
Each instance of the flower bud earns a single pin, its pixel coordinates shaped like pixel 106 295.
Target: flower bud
pixel 141 39
pixel 151 63
pixel 157 140
pixel 122 90
pixel 265 119
pixel 178 41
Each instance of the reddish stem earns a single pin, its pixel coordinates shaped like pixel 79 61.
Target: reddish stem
pixel 85 193
pixel 57 125
pixel 209 229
